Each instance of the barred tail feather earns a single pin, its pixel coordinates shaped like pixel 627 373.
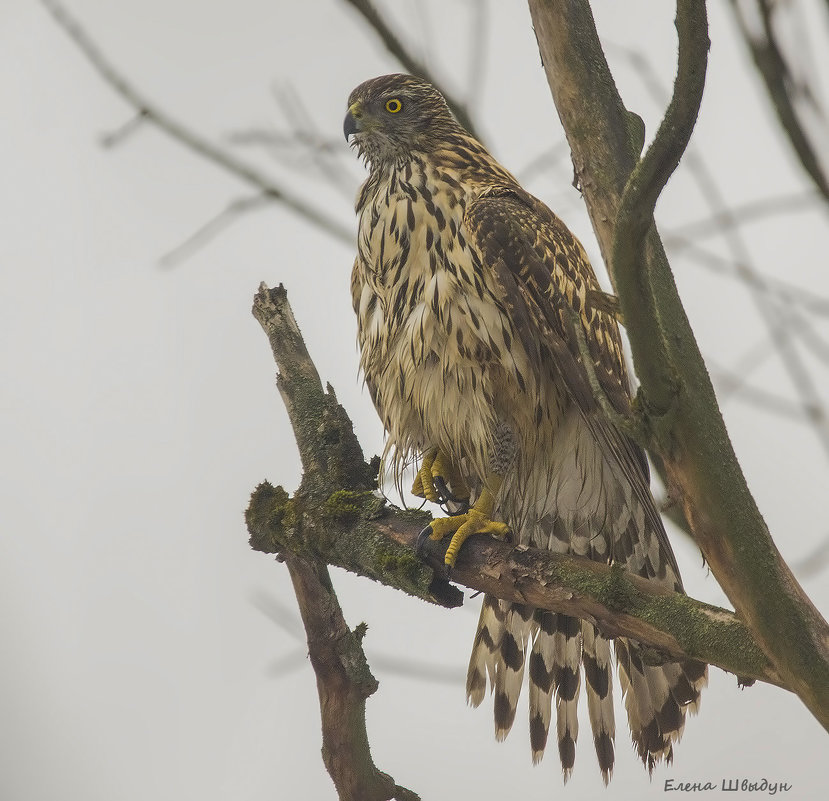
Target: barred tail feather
pixel 567 680
pixel 499 651
pixel 656 700
pixel 599 686
pixel 484 650
pixel 509 672
pixel 542 669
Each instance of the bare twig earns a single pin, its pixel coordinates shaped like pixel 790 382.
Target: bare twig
pixel 775 315
pixel 122 132
pixel 809 336
pixel 760 398
pixel 784 291
pixel 189 138
pixel 384 662
pixel 737 216
pixel 765 295
pixel 280 143
pixel 329 168
pixel 797 107
pixel 550 158
pixel 287 663
pixel 395 46
pixel 213 227
pixel 814 562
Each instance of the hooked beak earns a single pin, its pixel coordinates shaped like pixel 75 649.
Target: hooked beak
pixel 351 124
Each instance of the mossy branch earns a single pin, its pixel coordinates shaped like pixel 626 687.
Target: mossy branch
pixel 334 493
pixel 378 542
pixel 692 442
pixel 356 530
pixel 634 217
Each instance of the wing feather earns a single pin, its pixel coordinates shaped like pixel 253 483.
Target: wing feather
pixel 542 275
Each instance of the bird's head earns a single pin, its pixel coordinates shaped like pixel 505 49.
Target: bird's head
pixel 391 116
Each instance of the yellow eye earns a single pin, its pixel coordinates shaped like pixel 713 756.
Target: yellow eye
pixel 393 105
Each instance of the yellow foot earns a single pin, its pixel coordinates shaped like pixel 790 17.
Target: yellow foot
pixel 436 475
pixel 476 521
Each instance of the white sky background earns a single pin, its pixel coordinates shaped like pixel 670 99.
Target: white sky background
pixel 138 410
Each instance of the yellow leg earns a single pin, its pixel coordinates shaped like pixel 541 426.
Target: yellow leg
pixel 436 474
pixel 478 520
pixel 423 485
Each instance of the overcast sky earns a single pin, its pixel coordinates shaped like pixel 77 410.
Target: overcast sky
pixel 147 652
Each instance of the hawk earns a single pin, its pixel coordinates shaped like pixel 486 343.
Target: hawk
pixel 474 303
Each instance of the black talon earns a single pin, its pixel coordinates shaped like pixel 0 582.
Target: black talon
pixel 447 497
pixel 442 490
pixel 461 508
pixel 421 540
pixel 420 543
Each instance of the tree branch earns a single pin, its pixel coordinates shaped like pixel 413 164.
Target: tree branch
pixel 395 46
pixel 344 682
pixel 213 227
pixel 700 463
pixel 796 105
pixel 331 459
pixel 149 112
pixel 355 530
pixel 776 317
pixel 737 216
pixel 634 217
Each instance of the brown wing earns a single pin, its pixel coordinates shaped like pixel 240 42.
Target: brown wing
pixel 543 275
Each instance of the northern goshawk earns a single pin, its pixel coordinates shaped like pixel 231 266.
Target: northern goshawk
pixel 469 294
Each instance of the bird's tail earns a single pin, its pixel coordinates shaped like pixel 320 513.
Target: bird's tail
pixel 599 681
pixel 656 697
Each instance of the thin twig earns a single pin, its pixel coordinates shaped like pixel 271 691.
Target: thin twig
pixel 789 293
pixel 280 142
pixel 776 317
pixel 401 52
pixel 186 136
pixel 814 562
pixel 122 132
pixel 790 97
pixel 752 358
pixel 756 396
pixel 209 230
pixel 408 667
pixel 329 168
pixel 549 158
pixel 809 336
pixel 738 216
pixel 287 663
